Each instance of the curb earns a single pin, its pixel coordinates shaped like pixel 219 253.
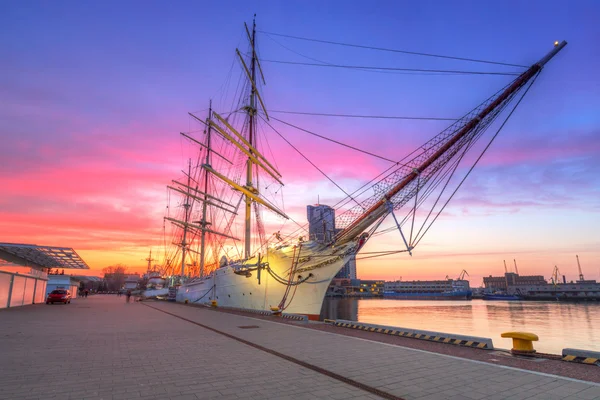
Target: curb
pixel 440 337
pixel 581 356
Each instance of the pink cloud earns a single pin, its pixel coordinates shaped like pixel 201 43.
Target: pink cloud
pixel 543 148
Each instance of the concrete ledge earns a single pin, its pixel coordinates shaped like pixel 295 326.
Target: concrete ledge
pixel 581 356
pixel 462 340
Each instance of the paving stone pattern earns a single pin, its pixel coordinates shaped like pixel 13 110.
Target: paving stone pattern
pixel 404 372
pixel 103 348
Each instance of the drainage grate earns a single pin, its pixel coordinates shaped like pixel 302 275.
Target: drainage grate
pixel 249 327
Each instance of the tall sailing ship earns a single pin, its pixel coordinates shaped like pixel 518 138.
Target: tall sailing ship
pixel 223 254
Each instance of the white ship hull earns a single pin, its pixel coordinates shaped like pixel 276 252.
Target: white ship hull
pixel 317 265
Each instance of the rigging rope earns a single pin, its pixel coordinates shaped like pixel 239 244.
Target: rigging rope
pixel 450 171
pixel 480 156
pixel 387 253
pixel 452 168
pixel 363 116
pixel 204 295
pixel 441 175
pixel 368 185
pixel 423 153
pixel 393 50
pixel 335 141
pixel 311 163
pixel 324 62
pixel 457 72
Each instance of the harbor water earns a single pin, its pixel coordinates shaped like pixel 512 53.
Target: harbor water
pixel 558 325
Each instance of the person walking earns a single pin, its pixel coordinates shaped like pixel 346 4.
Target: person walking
pixel 128 295
pixel 85 293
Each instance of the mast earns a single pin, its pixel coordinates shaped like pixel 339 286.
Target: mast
pixel 205 203
pixel 251 125
pixel 186 206
pixel 381 207
pixel 149 259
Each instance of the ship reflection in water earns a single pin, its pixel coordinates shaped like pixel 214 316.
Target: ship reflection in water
pixel 559 325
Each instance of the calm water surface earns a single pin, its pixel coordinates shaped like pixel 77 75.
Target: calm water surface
pixel 559 325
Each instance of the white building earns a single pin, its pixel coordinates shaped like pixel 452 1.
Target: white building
pixel 63 282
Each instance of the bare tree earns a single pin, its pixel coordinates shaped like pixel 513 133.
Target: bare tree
pixel 114 276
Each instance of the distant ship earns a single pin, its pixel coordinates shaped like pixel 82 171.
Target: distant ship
pixel 501 296
pixel 449 289
pixel 586 290
pixel 131 282
pixel 155 281
pixel 156 285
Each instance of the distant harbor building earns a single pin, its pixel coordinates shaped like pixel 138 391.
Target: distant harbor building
pixel 371 287
pixel 535 287
pixel 321 228
pixel 344 287
pixel 501 283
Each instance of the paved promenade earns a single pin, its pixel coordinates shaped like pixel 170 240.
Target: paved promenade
pixel 103 348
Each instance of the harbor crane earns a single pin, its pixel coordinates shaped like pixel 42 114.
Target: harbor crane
pixel 461 276
pixel 555 276
pixel 516 269
pixel 581 278
pixel 505 269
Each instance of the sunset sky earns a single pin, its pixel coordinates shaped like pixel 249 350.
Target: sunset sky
pixel 94 95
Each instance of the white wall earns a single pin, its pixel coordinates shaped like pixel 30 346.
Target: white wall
pixel 40 292
pixel 21 289
pixel 5 280
pixel 18 291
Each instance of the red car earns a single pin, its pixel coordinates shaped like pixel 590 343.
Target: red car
pixel 59 296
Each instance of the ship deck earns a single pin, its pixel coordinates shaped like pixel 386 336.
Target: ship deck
pixel 158 350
